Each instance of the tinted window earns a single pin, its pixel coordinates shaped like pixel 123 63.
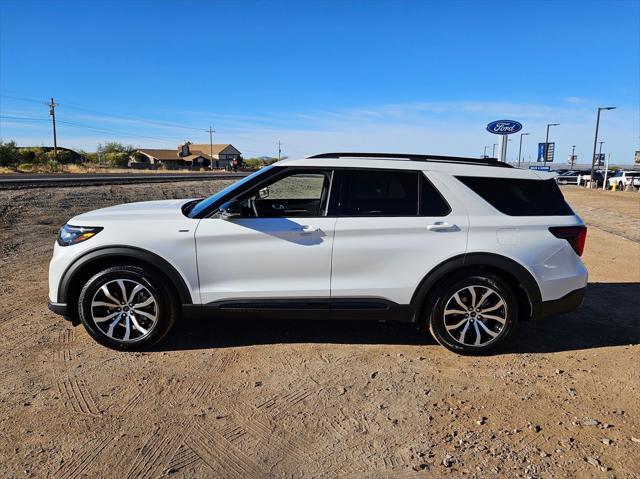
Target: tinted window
pixel 517 197
pixel 431 201
pixel 380 193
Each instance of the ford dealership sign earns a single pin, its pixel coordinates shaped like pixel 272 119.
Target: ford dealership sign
pixel 504 127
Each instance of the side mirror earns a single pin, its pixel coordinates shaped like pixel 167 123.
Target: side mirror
pixel 230 209
pixel 263 193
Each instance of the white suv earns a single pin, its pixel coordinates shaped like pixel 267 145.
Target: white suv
pixel 461 247
pixel 622 178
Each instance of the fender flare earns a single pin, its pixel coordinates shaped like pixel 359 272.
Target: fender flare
pixel 525 279
pixel 128 252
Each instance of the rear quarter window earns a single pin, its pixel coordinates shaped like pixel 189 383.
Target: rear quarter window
pixel 518 197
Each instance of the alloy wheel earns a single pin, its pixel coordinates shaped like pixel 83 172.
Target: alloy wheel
pixel 475 315
pixel 124 310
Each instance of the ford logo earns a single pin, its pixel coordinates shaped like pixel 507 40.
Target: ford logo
pixel 504 127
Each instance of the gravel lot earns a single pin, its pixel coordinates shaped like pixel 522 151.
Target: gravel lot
pixel 316 399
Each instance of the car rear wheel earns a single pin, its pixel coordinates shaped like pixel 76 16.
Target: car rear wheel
pixel 472 314
pixel 127 307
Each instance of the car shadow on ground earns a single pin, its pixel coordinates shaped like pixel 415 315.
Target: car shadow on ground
pixel 610 316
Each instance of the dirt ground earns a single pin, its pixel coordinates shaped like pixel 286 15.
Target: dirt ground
pixel 316 399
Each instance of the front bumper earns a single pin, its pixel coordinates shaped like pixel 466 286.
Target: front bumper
pixel 569 302
pixel 58 308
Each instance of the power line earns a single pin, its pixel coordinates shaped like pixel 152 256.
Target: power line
pixel 97 112
pixel 105 130
pixel 32 100
pixel 130 118
pixel 117 116
pixel 23 118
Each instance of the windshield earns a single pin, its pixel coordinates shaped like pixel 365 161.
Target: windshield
pixel 204 204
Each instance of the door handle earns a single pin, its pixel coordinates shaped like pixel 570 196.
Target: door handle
pixel 441 226
pixel 306 229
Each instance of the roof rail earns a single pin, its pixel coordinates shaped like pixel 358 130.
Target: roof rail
pixel 414 157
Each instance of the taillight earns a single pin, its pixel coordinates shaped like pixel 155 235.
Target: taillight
pixel 575 235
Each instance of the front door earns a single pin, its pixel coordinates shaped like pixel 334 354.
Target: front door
pixel 277 247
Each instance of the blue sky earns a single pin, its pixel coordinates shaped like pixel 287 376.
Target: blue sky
pixel 322 76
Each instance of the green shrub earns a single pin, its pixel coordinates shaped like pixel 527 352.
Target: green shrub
pixel 53 166
pixel 9 154
pixel 117 159
pixel 258 162
pixel 25 166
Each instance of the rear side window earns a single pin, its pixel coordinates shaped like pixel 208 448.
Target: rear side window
pixel 390 193
pixel 381 193
pixel 432 202
pixel 516 197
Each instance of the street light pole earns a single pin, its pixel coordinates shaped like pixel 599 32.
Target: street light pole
pixel 546 144
pixel 493 151
pixel 520 149
pixel 573 155
pixel 595 139
pixel 484 155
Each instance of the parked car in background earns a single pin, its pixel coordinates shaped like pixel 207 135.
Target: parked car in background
pixel 622 178
pixel 572 177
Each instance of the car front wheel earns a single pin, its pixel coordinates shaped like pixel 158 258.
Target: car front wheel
pixel 472 314
pixel 127 307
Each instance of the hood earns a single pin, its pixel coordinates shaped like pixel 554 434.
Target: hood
pixel 147 210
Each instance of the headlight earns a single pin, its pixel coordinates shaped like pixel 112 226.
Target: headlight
pixel 76 234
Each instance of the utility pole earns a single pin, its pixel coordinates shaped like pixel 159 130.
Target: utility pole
pixel 573 155
pixel 211 131
pixel 52 112
pixel 279 150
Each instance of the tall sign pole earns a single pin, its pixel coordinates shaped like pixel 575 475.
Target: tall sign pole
pixel 504 139
pixel 595 138
pixel 547 151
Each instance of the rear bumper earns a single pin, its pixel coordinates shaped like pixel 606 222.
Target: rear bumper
pixel 567 303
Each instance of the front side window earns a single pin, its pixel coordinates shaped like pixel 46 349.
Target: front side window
pixel 300 194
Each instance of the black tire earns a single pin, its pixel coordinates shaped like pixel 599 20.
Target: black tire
pixel 481 282
pixel 124 333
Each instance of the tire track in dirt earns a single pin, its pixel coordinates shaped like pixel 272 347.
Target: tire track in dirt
pixel 77 396
pixel 183 458
pixel 80 464
pixel 160 447
pixel 73 390
pixel 62 346
pixel 221 455
pixel 280 403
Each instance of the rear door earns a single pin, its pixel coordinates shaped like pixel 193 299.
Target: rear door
pixel 393 227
